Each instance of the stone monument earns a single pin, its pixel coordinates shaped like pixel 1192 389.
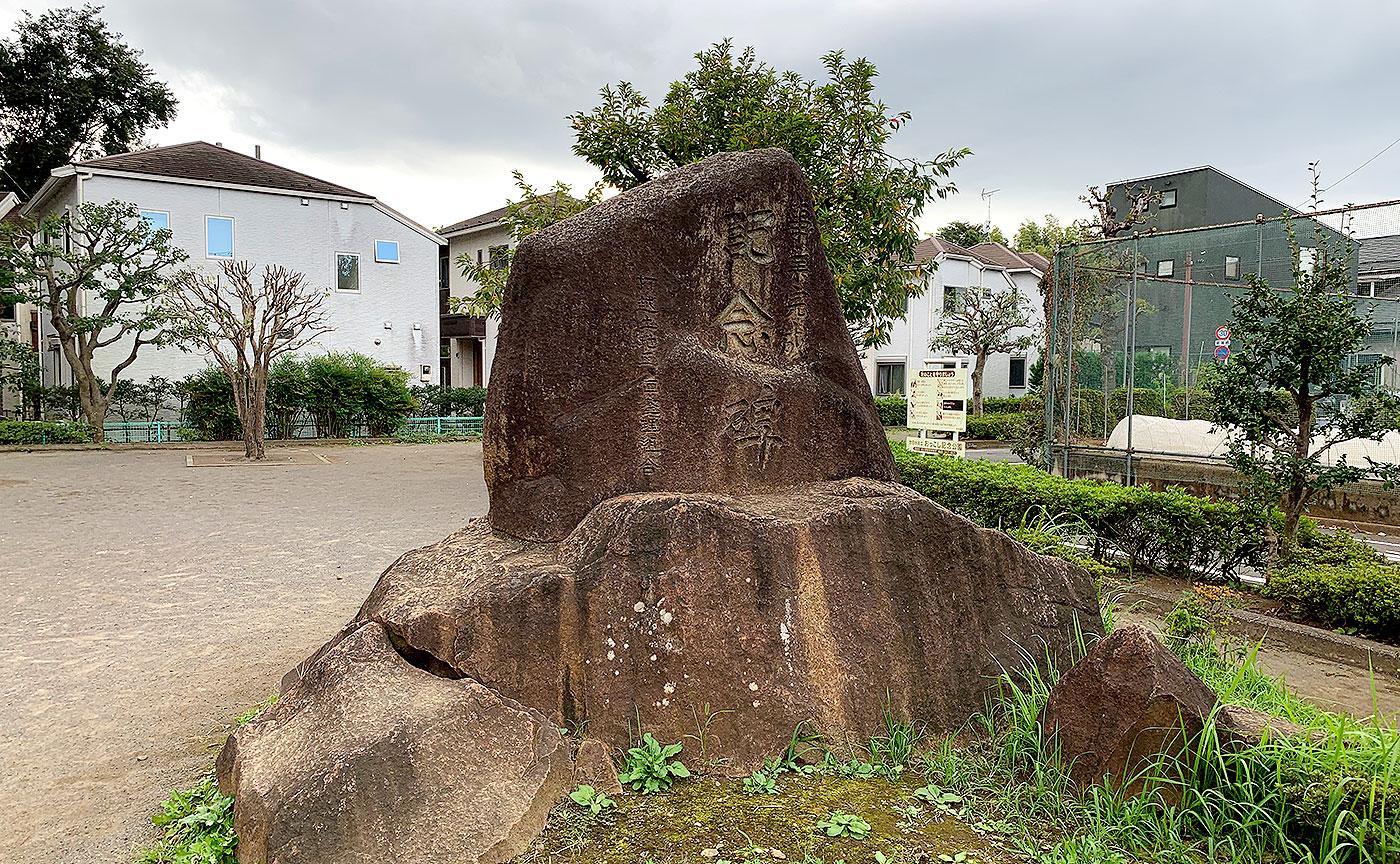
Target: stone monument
pixel 692 504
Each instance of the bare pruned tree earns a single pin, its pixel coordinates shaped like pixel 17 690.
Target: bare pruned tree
pixel 245 325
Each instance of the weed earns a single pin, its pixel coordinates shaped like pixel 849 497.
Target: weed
pixel 840 824
pixel 948 802
pixel 196 827
pixel 760 783
pixel 650 767
pixel 702 727
pixel 595 801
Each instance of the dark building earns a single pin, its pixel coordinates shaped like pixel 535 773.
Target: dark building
pixel 1186 276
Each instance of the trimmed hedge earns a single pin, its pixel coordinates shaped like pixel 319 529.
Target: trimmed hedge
pixel 42 432
pixel 995 427
pixel 1171 532
pixel 1339 582
pixel 893 410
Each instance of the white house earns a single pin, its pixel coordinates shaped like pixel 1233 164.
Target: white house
pixel 986 266
pixel 469 342
pixel 379 267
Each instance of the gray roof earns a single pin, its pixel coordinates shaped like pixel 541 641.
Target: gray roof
pixel 199 160
pixel 475 222
pixel 991 254
pixel 1379 254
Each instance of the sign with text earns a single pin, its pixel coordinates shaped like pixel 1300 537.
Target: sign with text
pixel 936 446
pixel 938 400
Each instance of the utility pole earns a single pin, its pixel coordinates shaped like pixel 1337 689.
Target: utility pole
pixel 1186 328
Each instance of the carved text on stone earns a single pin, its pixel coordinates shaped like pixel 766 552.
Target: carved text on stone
pixel 752 423
pixel 650 414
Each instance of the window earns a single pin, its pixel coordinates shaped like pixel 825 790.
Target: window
pixel 889 379
pixel 500 257
pixel 1232 267
pixel 386 251
pixel 950 299
pixel 444 272
pixel 347 271
pixel 7 311
pixel 218 236
pixel 156 220
pixel 1017 377
pixel 1168 199
pixel 1166 268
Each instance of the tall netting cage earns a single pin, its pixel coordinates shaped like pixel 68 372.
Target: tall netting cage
pixel 1135 325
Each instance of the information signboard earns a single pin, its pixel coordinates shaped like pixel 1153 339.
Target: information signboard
pixel 937 446
pixel 938 400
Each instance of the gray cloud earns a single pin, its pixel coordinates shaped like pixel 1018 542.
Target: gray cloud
pixel 1051 97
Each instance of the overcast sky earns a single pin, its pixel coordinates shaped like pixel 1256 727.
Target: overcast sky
pixel 429 105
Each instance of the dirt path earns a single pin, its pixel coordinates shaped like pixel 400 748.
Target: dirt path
pixel 149 603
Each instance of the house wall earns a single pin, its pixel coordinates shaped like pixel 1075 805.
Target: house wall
pixel 272 228
pixel 472 244
pixel 909 337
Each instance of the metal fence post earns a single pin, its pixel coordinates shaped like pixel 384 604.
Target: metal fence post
pixel 1048 367
pixel 1130 344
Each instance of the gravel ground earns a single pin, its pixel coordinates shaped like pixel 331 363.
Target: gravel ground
pixel 149 603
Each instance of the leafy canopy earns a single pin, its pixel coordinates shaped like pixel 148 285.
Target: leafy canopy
pixel 866 198
pixel 967 234
pixel 70 89
pixel 1035 237
pixel 1291 390
pixel 524 216
pixel 97 272
pixel 983 323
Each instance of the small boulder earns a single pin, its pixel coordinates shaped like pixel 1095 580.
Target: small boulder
pixel 367 758
pixel 593 765
pixel 1127 701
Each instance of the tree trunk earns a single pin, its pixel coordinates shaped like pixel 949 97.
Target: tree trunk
pixel 977 373
pixel 255 426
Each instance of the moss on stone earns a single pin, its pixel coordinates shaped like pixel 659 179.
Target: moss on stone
pixel 710 813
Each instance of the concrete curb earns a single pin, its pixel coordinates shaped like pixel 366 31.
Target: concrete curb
pixel 1254 627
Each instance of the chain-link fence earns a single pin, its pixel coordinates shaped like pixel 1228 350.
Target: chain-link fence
pixel 1135 321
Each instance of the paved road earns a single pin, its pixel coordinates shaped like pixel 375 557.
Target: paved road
pixel 148 603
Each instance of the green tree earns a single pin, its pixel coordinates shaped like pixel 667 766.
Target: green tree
pixel 70 89
pixel 967 234
pixel 97 272
pixel 525 215
pixel 983 323
pixel 866 198
pixel 1289 392
pixel 1045 239
pixel 20 374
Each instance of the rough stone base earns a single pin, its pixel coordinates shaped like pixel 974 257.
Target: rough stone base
pixel 368 759
pixel 823 603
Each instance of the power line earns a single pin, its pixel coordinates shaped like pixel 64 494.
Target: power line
pixel 1364 164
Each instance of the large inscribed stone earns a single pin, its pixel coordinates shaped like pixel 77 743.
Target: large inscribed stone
pixel 685 336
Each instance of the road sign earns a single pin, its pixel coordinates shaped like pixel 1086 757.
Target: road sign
pixel 1222 332
pixel 1222 352
pixel 943 446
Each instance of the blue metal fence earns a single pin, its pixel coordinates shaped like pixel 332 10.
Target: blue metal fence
pixel 165 431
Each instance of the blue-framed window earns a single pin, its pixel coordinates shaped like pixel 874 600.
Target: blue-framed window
pixel 386 251
pixel 218 236
pixel 156 220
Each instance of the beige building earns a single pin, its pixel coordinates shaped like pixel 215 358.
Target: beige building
pixel 469 341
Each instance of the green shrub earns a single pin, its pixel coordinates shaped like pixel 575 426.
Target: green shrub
pixel 342 394
pixel 1010 404
pixel 42 432
pixel 209 413
pixel 893 410
pixel 437 401
pixel 1168 531
pixel 1339 582
pixel 995 427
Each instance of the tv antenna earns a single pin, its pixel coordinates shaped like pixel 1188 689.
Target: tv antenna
pixel 987 196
